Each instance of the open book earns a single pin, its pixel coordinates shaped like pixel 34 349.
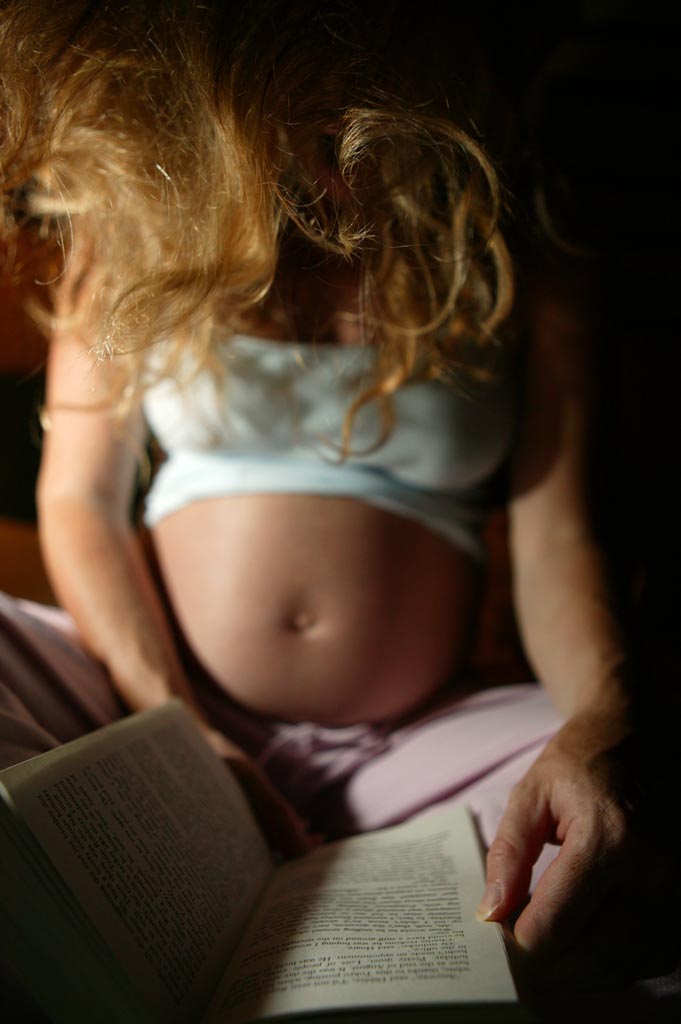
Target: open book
pixel 135 886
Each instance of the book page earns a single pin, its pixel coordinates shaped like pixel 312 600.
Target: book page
pixel 379 919
pixel 155 839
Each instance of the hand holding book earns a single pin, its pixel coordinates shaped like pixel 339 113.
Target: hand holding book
pixel 602 914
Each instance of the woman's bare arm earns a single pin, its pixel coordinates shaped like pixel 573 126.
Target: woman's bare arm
pixel 98 569
pixel 594 918
pixel 562 596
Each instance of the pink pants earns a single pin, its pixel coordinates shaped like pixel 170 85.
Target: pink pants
pixel 468 749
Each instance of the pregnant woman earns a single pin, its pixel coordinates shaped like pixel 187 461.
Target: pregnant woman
pixel 284 249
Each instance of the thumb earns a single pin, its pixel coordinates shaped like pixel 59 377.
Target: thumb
pixel 521 835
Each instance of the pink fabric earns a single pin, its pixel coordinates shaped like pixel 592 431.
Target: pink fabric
pixel 469 749
pixel 51 690
pixel 467 752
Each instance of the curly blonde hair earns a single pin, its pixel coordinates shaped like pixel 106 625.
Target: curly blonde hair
pixel 200 166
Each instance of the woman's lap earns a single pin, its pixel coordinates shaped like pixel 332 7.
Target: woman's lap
pixel 470 749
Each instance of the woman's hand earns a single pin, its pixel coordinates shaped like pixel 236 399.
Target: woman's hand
pixel 605 911
pixel 283 828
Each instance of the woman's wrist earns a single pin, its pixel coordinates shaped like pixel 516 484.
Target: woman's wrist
pixel 604 715
pixel 600 686
pixel 143 686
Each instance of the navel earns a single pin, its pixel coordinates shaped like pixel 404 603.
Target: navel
pixel 300 621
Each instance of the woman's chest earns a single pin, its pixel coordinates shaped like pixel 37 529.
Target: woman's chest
pixel 268 398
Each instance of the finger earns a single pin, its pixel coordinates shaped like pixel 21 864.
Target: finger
pixel 595 857
pixel 571 891
pixel 524 829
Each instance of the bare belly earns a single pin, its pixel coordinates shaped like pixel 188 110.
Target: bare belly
pixel 317 608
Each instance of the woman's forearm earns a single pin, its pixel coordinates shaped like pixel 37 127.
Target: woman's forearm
pixel 570 628
pixel 100 576
pixel 85 486
pixel 564 602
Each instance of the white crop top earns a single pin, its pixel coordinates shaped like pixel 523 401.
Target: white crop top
pixel 271 423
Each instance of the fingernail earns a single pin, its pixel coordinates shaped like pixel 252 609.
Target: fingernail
pixel 489 902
